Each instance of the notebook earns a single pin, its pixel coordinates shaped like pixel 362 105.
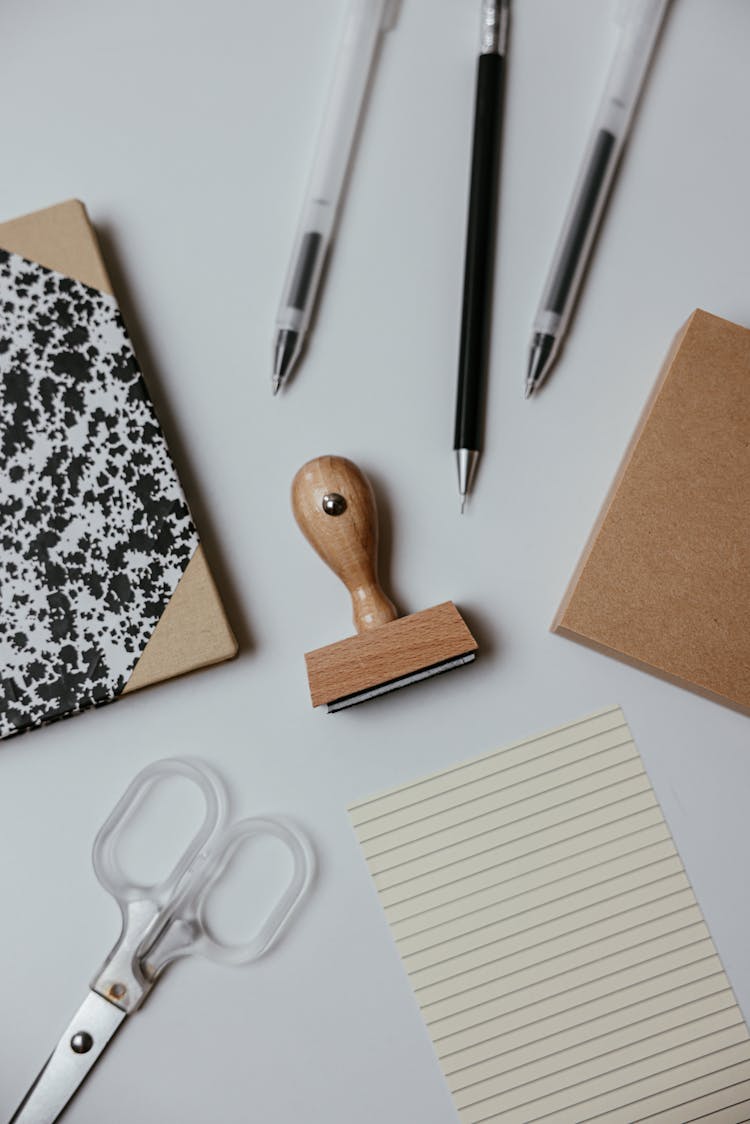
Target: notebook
pixel 552 939
pixel 104 586
pixel 663 582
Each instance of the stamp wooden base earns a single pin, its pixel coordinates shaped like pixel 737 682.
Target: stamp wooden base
pixel 334 506
pixel 391 656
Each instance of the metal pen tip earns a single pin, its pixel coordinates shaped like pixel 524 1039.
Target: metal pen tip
pixel 286 353
pixel 541 358
pixel 466 460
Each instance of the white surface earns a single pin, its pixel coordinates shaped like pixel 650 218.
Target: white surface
pixel 188 129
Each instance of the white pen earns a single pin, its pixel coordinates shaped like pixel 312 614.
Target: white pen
pixel 643 19
pixel 366 19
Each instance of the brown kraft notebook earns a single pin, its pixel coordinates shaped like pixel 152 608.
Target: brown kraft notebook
pixel 664 581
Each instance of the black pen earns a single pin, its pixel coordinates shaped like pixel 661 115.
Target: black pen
pixel 480 242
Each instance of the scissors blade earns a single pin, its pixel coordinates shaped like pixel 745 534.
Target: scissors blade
pixel 80 1046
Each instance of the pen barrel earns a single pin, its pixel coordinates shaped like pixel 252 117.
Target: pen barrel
pixel 611 126
pixel 351 77
pixel 578 233
pixel 480 253
pixel 632 58
pixel 364 23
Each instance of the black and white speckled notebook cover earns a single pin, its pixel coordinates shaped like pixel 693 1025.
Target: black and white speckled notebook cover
pixel 95 532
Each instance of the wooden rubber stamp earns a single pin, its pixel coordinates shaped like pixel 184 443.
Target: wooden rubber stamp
pixel 334 506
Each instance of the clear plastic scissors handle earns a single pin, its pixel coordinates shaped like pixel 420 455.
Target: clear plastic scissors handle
pixel 167 919
pixel 160 922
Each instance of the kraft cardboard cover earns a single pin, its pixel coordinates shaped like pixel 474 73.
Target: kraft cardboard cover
pixel 104 587
pixel 663 582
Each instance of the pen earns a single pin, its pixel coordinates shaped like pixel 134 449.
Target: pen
pixel 637 40
pixel 480 242
pixel 365 21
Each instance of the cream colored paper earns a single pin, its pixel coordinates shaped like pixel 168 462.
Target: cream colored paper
pixel 553 940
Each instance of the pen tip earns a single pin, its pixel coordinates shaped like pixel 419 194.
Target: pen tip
pixel 541 359
pixel 463 504
pixel 286 353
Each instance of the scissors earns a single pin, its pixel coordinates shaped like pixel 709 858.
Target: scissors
pixel 160 923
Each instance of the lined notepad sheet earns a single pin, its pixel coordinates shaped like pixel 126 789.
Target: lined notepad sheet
pixel 553 940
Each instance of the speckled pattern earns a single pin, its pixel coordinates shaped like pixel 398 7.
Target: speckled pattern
pixel 95 532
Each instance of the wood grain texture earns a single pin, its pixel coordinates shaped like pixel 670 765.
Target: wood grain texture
pixel 347 542
pixel 392 651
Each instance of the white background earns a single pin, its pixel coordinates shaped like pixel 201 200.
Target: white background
pixel 188 129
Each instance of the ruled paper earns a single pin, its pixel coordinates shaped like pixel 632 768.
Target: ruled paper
pixel 552 938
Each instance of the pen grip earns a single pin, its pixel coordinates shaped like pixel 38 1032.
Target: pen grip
pixel 480 255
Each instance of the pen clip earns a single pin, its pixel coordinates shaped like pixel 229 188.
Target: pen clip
pixel 390 14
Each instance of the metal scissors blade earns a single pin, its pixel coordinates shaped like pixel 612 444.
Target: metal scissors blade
pixel 160 923
pixel 80 1047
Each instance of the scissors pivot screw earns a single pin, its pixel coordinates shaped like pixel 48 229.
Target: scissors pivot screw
pixel 160 922
pixel 81 1042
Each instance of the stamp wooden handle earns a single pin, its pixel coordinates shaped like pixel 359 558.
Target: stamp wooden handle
pixel 334 506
